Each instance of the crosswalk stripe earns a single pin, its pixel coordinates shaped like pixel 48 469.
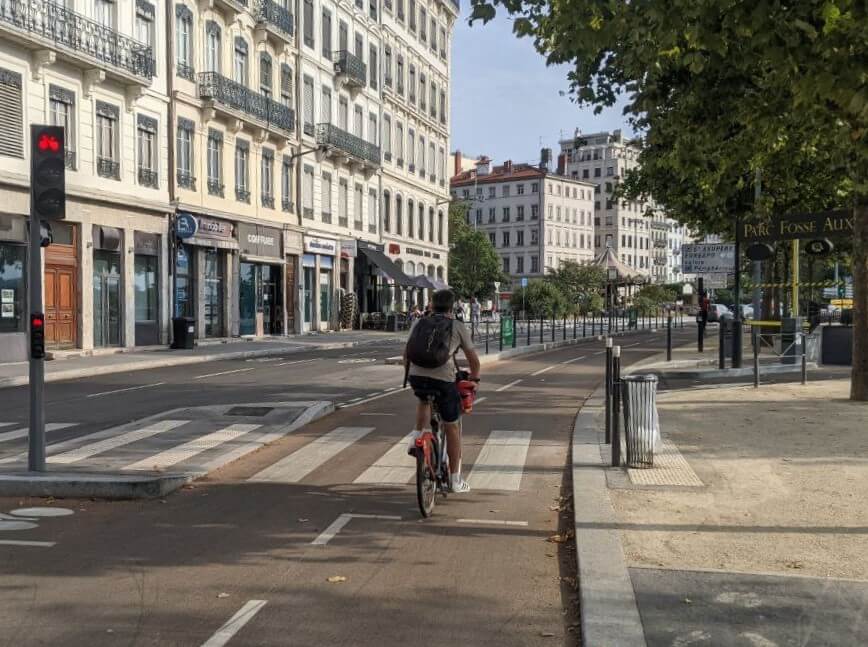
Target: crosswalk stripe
pixel 7 424
pixel 500 464
pixel 189 449
pixel 299 464
pixel 99 447
pixel 22 433
pixel 393 467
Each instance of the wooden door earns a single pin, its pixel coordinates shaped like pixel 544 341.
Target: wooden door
pixel 60 311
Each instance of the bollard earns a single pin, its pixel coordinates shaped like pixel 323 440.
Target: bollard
pixel 565 328
pixel 486 337
pixel 514 333
pixel 575 323
pixel 553 326
pixel 500 336
pixel 540 329
pixel 608 390
pixel 756 375
pixel 804 359
pixel 593 325
pixel 616 405
pixel 527 321
pixel 584 325
pixel 700 336
pixel 721 348
pixel 669 337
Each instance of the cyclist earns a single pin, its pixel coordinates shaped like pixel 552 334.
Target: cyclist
pixel 434 345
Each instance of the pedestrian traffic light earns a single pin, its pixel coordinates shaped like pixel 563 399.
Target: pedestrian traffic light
pixel 37 335
pixel 46 237
pixel 47 173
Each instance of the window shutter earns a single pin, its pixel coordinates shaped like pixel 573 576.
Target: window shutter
pixel 11 115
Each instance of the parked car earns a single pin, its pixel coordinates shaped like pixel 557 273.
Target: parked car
pixel 718 311
pixel 747 311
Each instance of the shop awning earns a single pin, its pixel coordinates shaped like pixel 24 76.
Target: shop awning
pixel 387 266
pixel 424 282
pixel 440 285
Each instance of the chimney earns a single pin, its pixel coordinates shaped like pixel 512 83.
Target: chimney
pixel 507 166
pixel 483 166
pixel 545 159
pixel 562 164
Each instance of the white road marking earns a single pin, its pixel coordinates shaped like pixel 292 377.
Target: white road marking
pixel 480 400
pixel 235 623
pixel 575 359
pixel 263 359
pixel 42 511
pixel 237 370
pixel 543 370
pixel 131 388
pixel 92 449
pixel 493 522
pixel 24 431
pixel 506 386
pixel 374 413
pixel 372 398
pixel 297 361
pixel 299 464
pixel 395 467
pixel 22 542
pixel 7 424
pixel 500 464
pixel 189 449
pixel 337 525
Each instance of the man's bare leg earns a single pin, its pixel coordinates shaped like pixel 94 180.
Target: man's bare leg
pixel 453 446
pixel 423 415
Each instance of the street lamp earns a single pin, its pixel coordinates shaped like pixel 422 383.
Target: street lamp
pixel 612 276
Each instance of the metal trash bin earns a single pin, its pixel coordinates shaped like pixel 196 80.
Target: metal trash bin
pixel 641 424
pixel 183 332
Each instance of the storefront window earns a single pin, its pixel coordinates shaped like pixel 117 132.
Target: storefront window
pixel 146 288
pixel 325 294
pixel 106 298
pixel 184 282
pixel 213 305
pixel 13 292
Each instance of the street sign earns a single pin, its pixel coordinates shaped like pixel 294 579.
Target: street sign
pixel 822 224
pixel 707 258
pixel 819 247
pixel 524 281
pixel 506 330
pixel 714 280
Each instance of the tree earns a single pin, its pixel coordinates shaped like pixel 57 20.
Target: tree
pixel 650 297
pixel 581 284
pixel 474 266
pixel 541 299
pixel 719 89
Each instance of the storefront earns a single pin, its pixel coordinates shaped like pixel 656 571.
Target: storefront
pixel 146 287
pixel 377 279
pixel 13 287
pixel 203 273
pixel 318 296
pixel 293 248
pixel 107 287
pixel 261 303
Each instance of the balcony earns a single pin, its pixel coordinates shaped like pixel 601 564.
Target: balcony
pixel 40 24
pixel 186 180
pixel 274 19
pixel 242 194
pixel 267 200
pixel 148 178
pixel 109 168
pixel 216 187
pixel 228 96
pixel 326 217
pixel 286 205
pixel 351 69
pixel 340 143
pixel 342 221
pixel 185 71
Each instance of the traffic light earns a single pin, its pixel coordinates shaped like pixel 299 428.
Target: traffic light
pixel 37 335
pixel 46 237
pixel 47 173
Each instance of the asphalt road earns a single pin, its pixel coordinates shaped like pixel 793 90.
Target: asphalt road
pixel 244 556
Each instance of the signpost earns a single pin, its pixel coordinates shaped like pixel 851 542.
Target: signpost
pixel 507 330
pixel 705 258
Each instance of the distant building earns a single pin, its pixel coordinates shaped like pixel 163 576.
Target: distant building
pixel 462 162
pixel 535 218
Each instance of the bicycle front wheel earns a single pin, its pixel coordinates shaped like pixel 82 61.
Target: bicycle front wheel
pixel 426 484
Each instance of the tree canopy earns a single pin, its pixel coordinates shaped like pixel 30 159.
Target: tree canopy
pixel 581 284
pixel 474 265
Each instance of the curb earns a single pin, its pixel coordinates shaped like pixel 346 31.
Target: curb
pixel 164 362
pixel 711 373
pixel 120 486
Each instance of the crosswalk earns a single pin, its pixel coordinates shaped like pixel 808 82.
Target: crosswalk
pixel 190 445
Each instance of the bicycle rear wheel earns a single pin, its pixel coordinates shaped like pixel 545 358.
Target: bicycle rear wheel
pixel 426 483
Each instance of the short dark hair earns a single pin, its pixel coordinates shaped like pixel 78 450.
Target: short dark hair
pixel 443 301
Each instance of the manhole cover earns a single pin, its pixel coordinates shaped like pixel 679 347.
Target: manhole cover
pixel 256 412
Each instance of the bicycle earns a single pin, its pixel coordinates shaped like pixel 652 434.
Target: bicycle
pixel 432 460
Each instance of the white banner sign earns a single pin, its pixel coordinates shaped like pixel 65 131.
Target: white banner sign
pixel 325 246
pixel 707 259
pixel 714 280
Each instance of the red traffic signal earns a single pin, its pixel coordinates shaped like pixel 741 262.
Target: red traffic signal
pixel 37 335
pixel 49 143
pixel 37 321
pixel 47 173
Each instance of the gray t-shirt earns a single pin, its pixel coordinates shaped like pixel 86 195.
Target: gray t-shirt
pixel 460 339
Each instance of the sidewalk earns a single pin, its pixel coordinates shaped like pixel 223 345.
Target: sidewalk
pixel 72 364
pixel 750 529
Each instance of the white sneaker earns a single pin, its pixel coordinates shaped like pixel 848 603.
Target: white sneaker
pixel 411 446
pixel 459 485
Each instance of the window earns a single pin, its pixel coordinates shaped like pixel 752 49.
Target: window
pixel 372 128
pixel 212 46
pixel 372 211
pixel 519 264
pixel 492 191
pixel 423 25
pixel 145 23
pixel 550 213
pixel 400 74
pixel 400 4
pixel 506 264
pixel 421 221
pixel 325 105
pixel 104 13
pixel 358 117
pixel 107 117
pixel 239 70
pixel 421 156
pixel 519 189
pixel 399 216
pixel 491 215
pixel 430 224
pixel 506 214
pixel 411 151
pixel 373 70
pixel 410 221
pixel 558 237
pixel 387 212
pixel 534 187
pixel 412 84
pixel 326 33
pixel 61 106
pixel 307 14
pixel 440 221
pixel 442 106
pixel 534 264
pixel 534 212
pixel 558 214
pixel 423 93
pixel 372 9
pixel 326 197
pixel 307 193
pixel 387 138
pixel 442 166
pixel 146 140
pixel 433 110
pixel 411 9
pixel 597 172
pixel 610 171
pixel 360 47
pixel 308 105
pixel 534 236
pixel 184 42
pixel 343 113
pixel 242 170
pixel 519 216
pixel 184 160
pixel 265 74
pixel 505 191
pixel 505 238
pixel 585 173
pixel 343 202
pixel 286 184
pixel 431 167
pixel 358 195
pixel 608 187
pixel 267 178
pixel 433 34
pixel 11 106
pixel 519 238
pixel 492 237
pixel 479 216
pixel 215 162
pixel 399 143
pixel 442 42
pixel 387 65
pixel 343 36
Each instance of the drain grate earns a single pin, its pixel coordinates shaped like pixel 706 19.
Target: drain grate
pixel 256 412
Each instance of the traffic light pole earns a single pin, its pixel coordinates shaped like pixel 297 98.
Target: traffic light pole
pixel 36 448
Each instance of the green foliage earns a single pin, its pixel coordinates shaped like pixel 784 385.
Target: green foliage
pixel 650 297
pixel 541 298
pixel 581 285
pixel 474 265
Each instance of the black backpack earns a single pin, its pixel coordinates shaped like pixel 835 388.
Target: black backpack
pixel 430 341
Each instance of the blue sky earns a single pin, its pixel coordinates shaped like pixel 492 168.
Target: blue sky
pixel 504 98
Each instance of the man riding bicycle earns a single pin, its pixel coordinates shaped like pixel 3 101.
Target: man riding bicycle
pixel 429 360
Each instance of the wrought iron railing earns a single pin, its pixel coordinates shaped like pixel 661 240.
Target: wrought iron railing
pixel 267 200
pixel 185 71
pixel 216 187
pixel 307 213
pixel 342 221
pixel 270 12
pixel 109 168
pixel 331 135
pixel 286 204
pixel 242 194
pixel 327 217
pixel 351 65
pixel 148 177
pixel 358 224
pixel 70 30
pixel 372 228
pixel 387 156
pixel 69 159
pixel 225 91
pixel 186 180
pixel 411 167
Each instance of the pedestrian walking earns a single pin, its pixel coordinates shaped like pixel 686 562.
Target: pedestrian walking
pixel 475 311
